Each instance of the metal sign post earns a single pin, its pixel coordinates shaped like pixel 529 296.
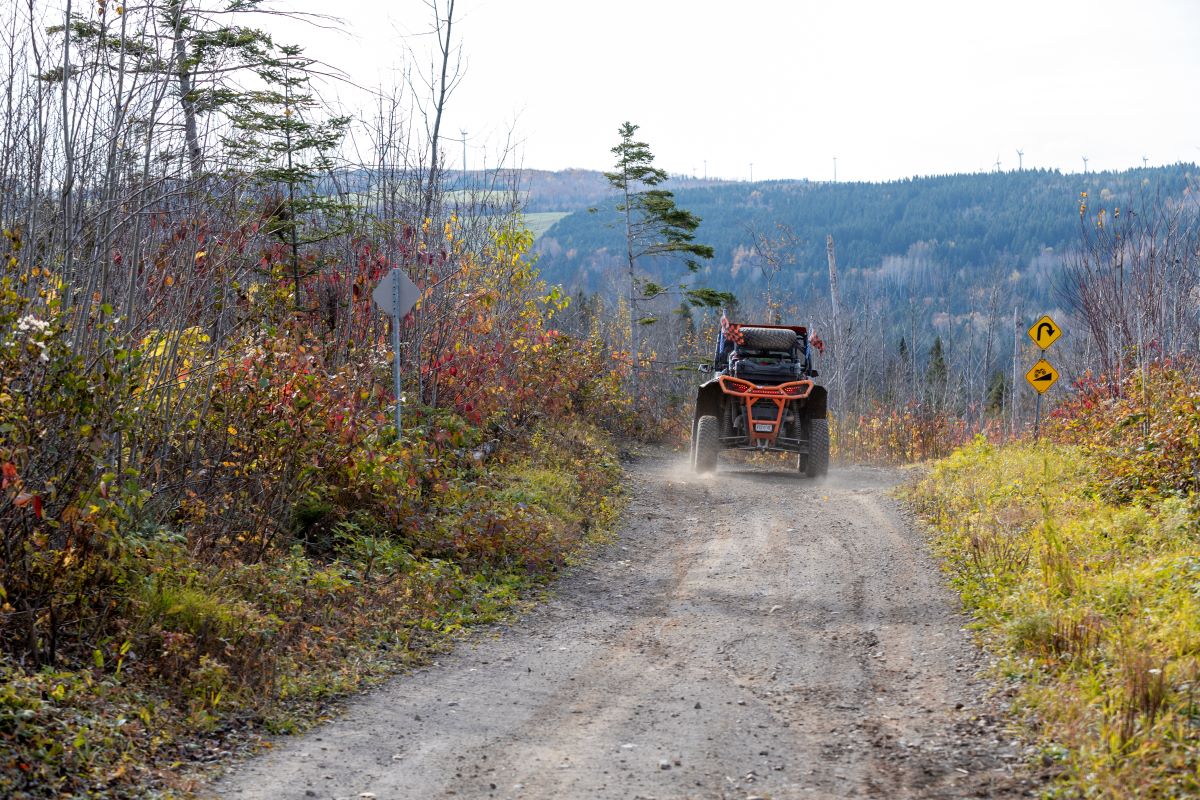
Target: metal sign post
pixel 396 353
pixel 395 295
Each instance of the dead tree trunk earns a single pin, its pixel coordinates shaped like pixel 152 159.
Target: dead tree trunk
pixel 1012 395
pixel 187 97
pixel 444 85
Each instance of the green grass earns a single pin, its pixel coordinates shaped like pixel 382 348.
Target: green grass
pixel 541 221
pixel 1093 606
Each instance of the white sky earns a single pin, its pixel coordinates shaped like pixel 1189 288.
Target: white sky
pixel 890 88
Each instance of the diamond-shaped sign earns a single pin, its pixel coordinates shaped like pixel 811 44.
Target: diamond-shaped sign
pixel 396 293
pixel 1042 376
pixel 1045 332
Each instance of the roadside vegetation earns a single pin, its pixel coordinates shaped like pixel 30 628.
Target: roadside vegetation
pixel 201 536
pixel 173 633
pixel 209 526
pixel 1079 558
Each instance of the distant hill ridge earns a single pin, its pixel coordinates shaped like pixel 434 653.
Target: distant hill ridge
pixel 580 189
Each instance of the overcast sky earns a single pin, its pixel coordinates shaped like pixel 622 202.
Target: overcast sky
pixel 890 89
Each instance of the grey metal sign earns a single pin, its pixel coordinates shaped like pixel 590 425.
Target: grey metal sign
pixel 396 294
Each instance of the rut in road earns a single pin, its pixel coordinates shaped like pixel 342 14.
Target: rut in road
pixel 749 634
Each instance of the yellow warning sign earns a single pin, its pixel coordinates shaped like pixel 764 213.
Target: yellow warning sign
pixel 1042 376
pixel 1045 332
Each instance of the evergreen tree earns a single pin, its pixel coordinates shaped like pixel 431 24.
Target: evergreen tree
pixel 654 227
pixel 997 390
pixel 937 374
pixel 287 153
pixel 900 387
pixel 684 312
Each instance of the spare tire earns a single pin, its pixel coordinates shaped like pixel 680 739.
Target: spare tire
pixel 768 339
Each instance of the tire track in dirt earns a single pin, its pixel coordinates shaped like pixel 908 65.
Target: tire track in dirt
pixel 750 634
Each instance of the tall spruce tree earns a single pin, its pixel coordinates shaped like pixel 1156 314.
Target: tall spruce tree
pixel 287 151
pixel 997 394
pixel 937 374
pixel 654 228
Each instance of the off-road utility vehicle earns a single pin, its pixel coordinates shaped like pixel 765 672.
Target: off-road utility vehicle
pixel 761 396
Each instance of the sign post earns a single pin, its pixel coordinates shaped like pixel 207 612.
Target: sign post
pixel 395 295
pixel 1042 375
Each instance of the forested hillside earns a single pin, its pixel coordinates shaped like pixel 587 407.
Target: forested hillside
pixel 938 276
pixel 934 233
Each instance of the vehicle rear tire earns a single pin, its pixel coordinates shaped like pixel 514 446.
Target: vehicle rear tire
pixel 816 463
pixel 706 444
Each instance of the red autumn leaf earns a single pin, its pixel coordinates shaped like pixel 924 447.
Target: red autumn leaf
pixel 8 475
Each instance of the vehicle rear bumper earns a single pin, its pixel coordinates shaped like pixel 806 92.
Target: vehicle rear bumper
pixel 764 408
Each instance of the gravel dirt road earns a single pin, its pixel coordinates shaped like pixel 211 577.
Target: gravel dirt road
pixel 752 634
